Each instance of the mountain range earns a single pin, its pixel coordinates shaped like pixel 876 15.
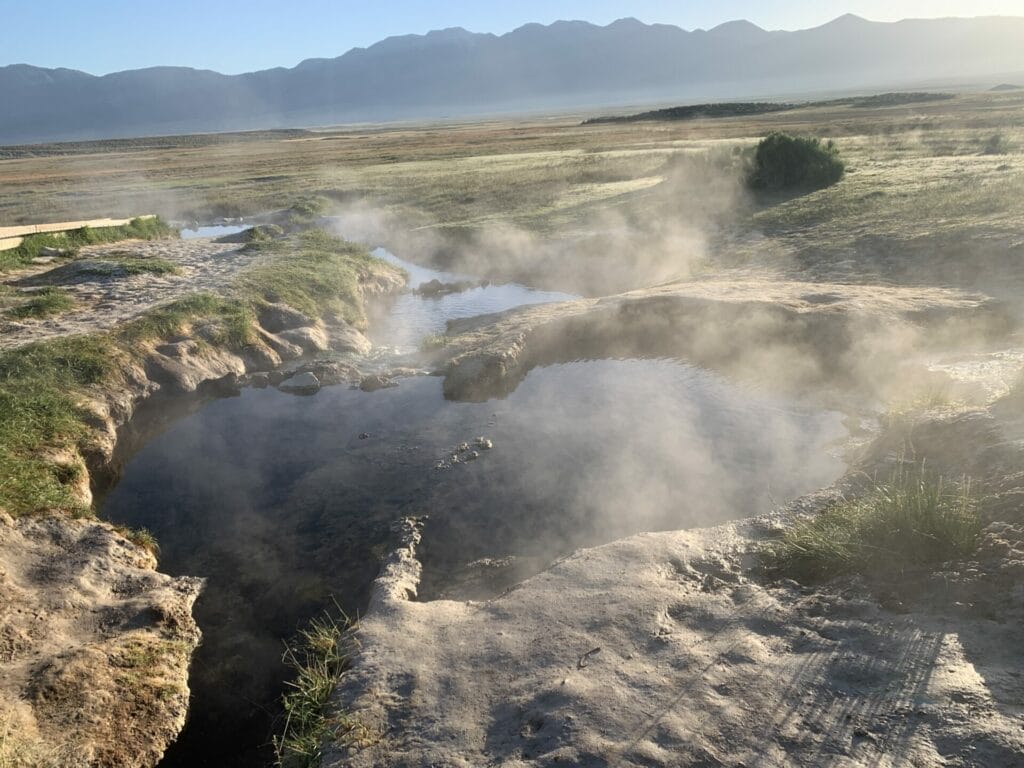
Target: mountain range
pixel 565 65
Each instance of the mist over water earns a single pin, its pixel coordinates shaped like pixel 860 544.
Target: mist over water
pixel 280 504
pixel 409 318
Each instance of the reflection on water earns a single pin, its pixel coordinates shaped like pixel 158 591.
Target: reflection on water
pixel 220 230
pixel 280 504
pixel 411 317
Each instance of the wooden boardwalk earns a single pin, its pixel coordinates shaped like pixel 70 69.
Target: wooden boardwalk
pixel 11 237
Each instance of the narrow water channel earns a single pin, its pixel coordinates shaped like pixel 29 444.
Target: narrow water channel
pixel 284 503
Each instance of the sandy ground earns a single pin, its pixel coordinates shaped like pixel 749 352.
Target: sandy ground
pixel 104 302
pixel 94 645
pixel 659 650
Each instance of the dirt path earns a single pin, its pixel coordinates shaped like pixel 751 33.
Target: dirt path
pixel 104 301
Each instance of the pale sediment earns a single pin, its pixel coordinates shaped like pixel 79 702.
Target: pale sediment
pixel 673 649
pixel 790 335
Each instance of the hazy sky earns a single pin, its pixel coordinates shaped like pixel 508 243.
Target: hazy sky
pixel 101 36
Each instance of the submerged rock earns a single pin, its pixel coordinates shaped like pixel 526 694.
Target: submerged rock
pixel 301 384
pixel 435 287
pixel 376 381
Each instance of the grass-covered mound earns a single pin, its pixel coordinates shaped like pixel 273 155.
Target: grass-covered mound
pixel 43 386
pixel 784 163
pixel 149 228
pixel 911 522
pixel 40 417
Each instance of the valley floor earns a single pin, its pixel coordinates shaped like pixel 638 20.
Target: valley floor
pixel 873 296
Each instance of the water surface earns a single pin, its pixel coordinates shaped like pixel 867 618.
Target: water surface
pixel 219 230
pixel 410 317
pixel 284 503
pixel 278 501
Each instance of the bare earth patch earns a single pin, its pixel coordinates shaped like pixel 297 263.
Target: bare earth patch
pixel 103 301
pixel 94 646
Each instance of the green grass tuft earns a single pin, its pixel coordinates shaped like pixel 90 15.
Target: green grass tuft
pixel 318 658
pixel 127 264
pixel 141 537
pixel 433 342
pixel 229 321
pixel 305 211
pixel 42 304
pixel 40 387
pixel 913 521
pixel 316 273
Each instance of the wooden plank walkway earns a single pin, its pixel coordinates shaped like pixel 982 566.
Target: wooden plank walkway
pixel 11 237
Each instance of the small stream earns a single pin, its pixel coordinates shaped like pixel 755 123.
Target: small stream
pixel 213 230
pixel 412 317
pixel 284 503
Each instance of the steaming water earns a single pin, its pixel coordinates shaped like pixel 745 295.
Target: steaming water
pixel 220 230
pixel 413 317
pixel 282 503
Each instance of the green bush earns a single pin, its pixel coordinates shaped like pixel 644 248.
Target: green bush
pixel 912 521
pixel 793 163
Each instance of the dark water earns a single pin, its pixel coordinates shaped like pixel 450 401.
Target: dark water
pixel 277 501
pixel 280 504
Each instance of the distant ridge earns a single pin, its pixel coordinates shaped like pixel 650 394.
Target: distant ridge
pixel 747 108
pixel 565 65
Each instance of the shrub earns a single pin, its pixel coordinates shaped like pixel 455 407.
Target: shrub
pixel 792 163
pixel 996 145
pixel 911 521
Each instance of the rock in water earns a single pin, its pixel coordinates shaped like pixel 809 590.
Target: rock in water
pixel 301 384
pixel 375 381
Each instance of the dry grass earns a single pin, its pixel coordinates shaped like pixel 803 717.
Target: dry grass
pixel 920 177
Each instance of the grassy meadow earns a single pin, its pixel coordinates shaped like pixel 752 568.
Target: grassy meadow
pixel 935 180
